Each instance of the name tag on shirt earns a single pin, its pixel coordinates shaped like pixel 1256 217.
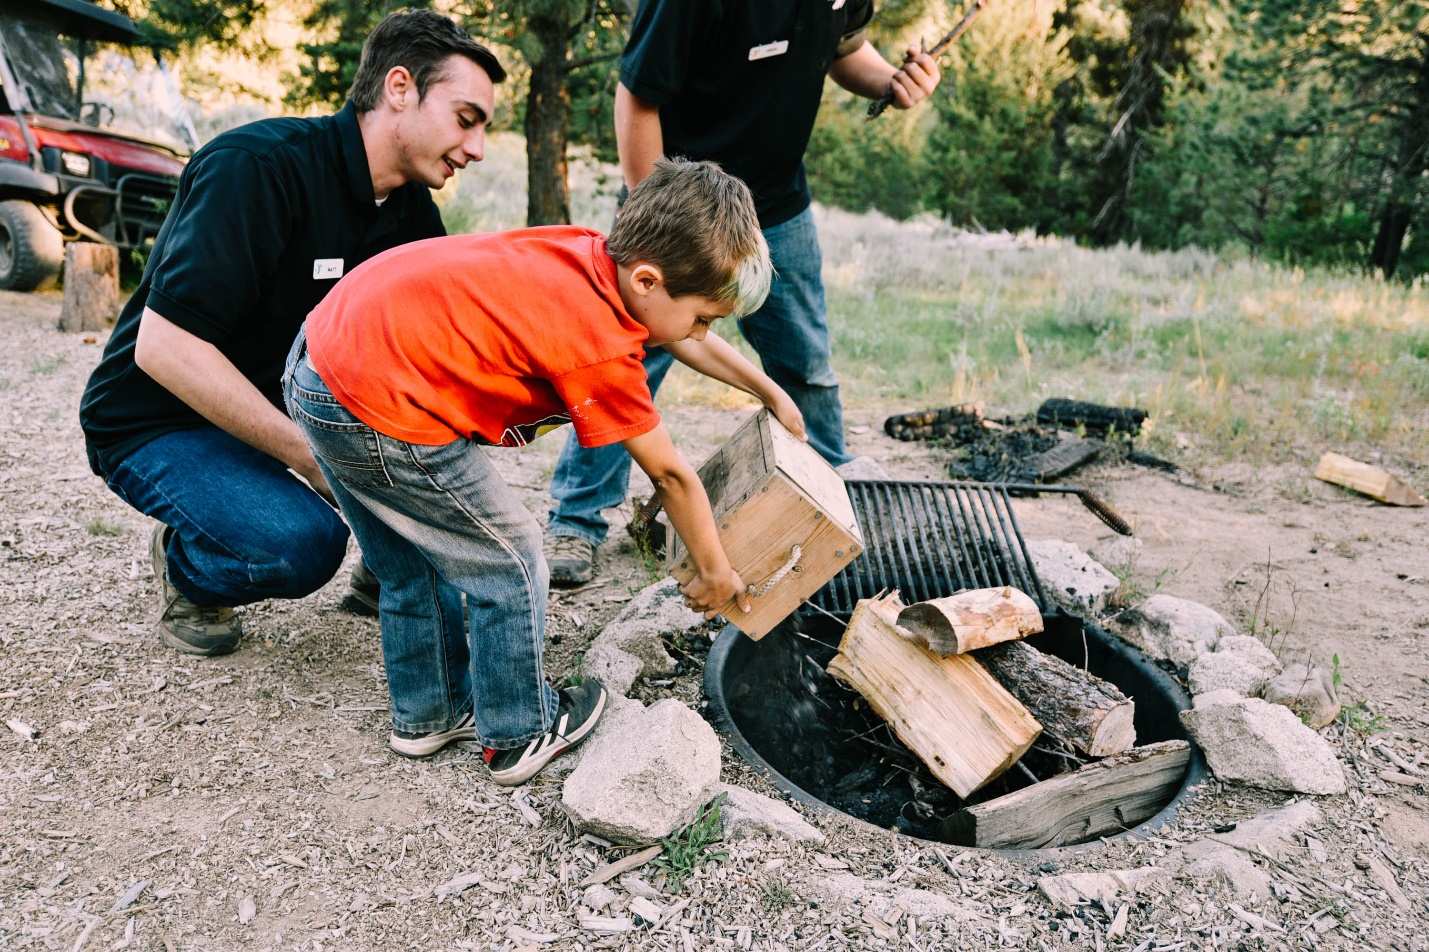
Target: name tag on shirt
pixel 766 50
pixel 326 268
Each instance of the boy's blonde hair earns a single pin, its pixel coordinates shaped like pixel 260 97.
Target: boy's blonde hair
pixel 697 224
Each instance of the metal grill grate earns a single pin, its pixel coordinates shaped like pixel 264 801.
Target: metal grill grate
pixel 932 539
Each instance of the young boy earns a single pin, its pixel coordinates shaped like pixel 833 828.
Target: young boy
pixel 427 353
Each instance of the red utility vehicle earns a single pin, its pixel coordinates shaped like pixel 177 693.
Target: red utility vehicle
pixel 93 135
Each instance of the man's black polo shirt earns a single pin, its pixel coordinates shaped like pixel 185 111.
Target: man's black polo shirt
pixel 267 217
pixel 739 82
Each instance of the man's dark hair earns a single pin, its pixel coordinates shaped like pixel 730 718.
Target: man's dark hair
pixel 420 40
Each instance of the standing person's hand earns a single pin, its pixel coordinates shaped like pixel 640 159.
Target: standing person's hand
pixel 916 80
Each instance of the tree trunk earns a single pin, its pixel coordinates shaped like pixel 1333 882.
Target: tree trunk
pixel 1413 161
pixel 548 108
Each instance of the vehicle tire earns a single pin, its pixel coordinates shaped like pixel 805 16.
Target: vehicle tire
pixel 31 249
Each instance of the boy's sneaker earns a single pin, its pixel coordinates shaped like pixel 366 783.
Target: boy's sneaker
pixel 363 590
pixel 424 745
pixel 184 626
pixel 580 708
pixel 571 560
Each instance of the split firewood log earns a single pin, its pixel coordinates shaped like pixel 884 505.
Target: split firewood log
pixel 970 620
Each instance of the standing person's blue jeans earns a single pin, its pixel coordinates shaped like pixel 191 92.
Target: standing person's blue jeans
pixel 790 333
pixel 437 523
pixel 244 528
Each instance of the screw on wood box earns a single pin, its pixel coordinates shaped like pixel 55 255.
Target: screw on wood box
pixel 784 519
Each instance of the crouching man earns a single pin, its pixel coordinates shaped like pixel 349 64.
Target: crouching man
pixel 182 418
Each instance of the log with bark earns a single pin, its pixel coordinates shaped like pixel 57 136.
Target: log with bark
pixel 970 620
pixel 1100 799
pixel 1092 417
pixel 1076 706
pixel 950 712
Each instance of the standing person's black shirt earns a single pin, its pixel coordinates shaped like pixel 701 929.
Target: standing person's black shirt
pixel 739 82
pixel 267 217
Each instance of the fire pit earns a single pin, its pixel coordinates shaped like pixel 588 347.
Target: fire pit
pixel 817 740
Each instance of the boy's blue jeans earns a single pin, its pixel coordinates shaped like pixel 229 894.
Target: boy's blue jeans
pixel 790 333
pixel 436 523
pixel 245 529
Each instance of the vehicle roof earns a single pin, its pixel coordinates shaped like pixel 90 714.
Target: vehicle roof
pixel 80 18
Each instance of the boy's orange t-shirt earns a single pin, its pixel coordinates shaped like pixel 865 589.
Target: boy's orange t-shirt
pixel 495 338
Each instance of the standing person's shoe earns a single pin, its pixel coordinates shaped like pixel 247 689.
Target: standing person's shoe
pixel 571 560
pixel 424 745
pixel 184 626
pixel 363 590
pixel 580 708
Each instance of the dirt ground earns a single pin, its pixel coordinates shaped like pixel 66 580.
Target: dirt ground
pixel 254 800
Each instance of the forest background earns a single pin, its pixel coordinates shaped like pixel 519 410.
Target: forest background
pixel 1292 130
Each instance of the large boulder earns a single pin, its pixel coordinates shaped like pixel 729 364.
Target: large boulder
pixel 1264 745
pixel 747 814
pixel 633 643
pixel 1172 629
pixel 1074 579
pixel 1309 691
pixel 1239 663
pixel 645 776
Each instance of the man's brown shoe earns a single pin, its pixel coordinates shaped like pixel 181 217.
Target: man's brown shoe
pixel 571 560
pixel 184 626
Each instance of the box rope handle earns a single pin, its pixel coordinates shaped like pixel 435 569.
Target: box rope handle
pixel 795 554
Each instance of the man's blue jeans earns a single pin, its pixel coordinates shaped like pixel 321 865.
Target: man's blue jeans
pixel 245 529
pixel 790 333
pixel 436 523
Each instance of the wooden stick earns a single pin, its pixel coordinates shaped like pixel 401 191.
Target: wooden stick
pixel 876 108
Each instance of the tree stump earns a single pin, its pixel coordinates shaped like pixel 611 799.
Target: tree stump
pixel 91 286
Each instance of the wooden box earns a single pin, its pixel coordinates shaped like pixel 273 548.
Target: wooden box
pixel 770 493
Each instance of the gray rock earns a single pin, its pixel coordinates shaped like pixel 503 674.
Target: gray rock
pixel 1212 698
pixel 1264 745
pixel 862 467
pixel 1309 691
pixel 748 814
pixel 636 633
pixel 1239 663
pixel 1222 864
pixel 645 777
pixel 1273 831
pixel 1172 629
pixel 1072 889
pixel 1072 577
pixel 617 669
pixel 1217 858
pixel 622 715
pixel 1116 550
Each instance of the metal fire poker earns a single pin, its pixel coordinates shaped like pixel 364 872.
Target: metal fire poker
pixel 875 108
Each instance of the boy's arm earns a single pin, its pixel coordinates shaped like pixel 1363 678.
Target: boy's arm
pixel 688 507
pixel 715 358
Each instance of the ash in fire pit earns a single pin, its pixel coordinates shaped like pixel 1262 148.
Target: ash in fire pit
pixel 821 743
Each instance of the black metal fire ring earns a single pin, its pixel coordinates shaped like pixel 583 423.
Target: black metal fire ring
pixel 719 714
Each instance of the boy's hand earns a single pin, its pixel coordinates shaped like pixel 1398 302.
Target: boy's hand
pixel 708 594
pixel 787 413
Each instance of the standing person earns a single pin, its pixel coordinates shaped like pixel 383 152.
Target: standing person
pixel 739 83
pixel 182 418
pixel 427 355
